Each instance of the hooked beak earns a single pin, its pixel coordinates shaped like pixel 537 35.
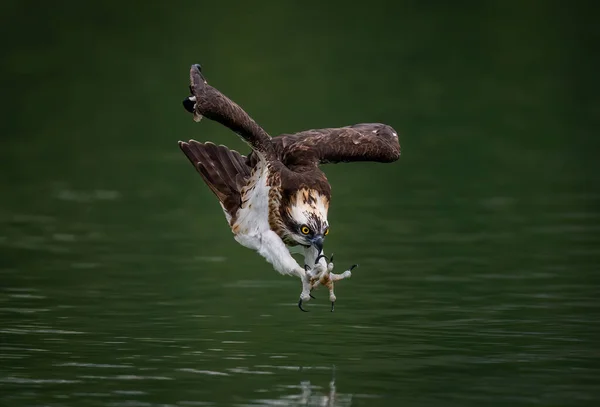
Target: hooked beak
pixel 317 241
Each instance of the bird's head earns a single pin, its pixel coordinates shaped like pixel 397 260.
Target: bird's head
pixel 305 218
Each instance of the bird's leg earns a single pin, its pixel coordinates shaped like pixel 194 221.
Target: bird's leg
pixel 320 267
pixel 322 273
pixel 314 285
pixel 310 281
pixel 329 275
pixel 311 273
pixel 345 274
pixel 315 273
pixel 272 248
pixel 313 281
pixel 332 296
pixel 328 281
pixel 330 278
pixel 306 288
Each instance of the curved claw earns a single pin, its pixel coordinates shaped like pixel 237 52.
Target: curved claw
pixel 332 306
pixel 306 268
pixel 353 267
pixel 300 306
pixel 331 258
pixel 320 257
pixel 312 296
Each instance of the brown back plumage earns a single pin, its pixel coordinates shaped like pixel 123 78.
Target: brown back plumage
pixel 224 171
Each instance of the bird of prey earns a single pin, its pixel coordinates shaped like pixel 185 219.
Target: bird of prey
pixel 276 198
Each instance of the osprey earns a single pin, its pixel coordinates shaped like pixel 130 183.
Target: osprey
pixel 277 198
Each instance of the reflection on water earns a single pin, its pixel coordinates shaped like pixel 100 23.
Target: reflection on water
pixel 308 395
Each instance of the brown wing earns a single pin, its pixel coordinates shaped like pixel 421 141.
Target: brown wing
pixel 211 103
pixel 224 171
pixel 361 142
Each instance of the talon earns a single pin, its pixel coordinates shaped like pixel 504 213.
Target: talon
pixel 300 306
pixel 353 266
pixel 312 296
pixel 306 268
pixel 331 258
pixel 319 258
pixel 332 306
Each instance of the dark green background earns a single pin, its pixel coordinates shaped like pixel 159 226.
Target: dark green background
pixel 121 285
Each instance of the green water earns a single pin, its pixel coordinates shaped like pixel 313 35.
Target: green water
pixel 121 285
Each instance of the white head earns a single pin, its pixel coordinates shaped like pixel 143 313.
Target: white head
pixel 305 218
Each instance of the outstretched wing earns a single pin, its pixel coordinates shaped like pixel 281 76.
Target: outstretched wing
pixel 211 103
pixel 361 142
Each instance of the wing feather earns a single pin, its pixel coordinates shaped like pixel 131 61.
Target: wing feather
pixel 221 163
pixel 360 142
pixel 223 170
pixel 207 101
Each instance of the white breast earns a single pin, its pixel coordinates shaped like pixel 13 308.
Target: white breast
pixel 253 217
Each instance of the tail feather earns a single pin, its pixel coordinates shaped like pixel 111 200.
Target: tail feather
pixel 223 170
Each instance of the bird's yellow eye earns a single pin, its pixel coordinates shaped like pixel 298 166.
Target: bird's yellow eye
pixel 326 232
pixel 305 230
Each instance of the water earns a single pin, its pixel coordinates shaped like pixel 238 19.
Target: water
pixel 120 284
